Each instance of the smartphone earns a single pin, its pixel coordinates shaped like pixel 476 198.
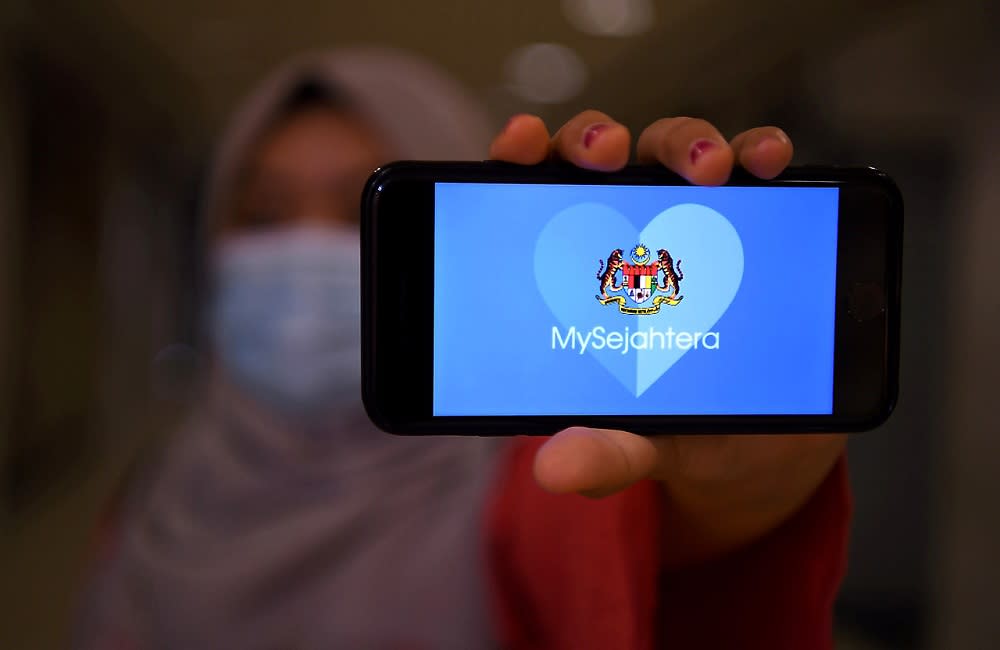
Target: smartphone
pixel 501 299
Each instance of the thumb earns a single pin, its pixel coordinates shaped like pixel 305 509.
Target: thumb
pixel 593 462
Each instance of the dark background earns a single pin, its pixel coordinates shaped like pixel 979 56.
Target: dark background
pixel 108 112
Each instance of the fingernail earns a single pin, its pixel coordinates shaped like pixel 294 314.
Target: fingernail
pixel 779 139
pixel 591 134
pixel 510 123
pixel 700 147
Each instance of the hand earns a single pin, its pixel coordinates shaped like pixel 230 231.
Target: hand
pixel 722 491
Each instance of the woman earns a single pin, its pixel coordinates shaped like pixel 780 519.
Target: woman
pixel 281 518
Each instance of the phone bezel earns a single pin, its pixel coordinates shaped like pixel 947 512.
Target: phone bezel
pixel 397 239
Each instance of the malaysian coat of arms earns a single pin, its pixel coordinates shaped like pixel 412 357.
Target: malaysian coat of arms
pixel 642 286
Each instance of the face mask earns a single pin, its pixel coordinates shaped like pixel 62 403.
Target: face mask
pixel 286 318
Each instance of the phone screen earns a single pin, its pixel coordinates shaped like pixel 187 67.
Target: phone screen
pixel 633 300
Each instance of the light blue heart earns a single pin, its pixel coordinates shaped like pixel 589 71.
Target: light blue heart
pixel 567 256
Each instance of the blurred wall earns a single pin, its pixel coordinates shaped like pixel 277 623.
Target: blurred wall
pixel 967 578
pixel 98 173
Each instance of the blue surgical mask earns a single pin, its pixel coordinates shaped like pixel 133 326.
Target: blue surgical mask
pixel 286 318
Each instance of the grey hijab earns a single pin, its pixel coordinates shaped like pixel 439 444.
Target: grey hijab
pixel 250 534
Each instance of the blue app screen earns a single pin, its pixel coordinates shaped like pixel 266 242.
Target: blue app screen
pixel 633 300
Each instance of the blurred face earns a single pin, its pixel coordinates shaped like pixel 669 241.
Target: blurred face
pixel 308 169
pixel 286 323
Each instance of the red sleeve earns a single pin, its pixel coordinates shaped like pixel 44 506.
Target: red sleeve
pixel 570 572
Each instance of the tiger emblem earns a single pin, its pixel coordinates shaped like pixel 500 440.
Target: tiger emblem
pixel 607 275
pixel 646 284
pixel 671 278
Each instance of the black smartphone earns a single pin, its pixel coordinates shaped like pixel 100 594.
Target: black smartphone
pixel 501 299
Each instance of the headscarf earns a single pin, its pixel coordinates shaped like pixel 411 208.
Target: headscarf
pixel 419 112
pixel 250 534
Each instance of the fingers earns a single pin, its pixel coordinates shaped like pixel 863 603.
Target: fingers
pixel 593 140
pixel 764 151
pixel 690 147
pixel 593 462
pixel 697 469
pixel 524 140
